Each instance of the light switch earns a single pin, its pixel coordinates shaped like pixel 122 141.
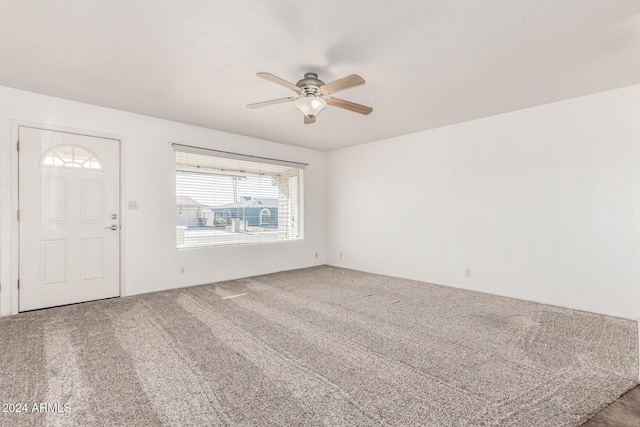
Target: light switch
pixel 133 206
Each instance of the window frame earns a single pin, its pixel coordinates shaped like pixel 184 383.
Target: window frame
pixel 290 200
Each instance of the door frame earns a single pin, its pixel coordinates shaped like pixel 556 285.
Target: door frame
pixel 13 293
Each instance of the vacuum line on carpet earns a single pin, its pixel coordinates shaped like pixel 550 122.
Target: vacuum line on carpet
pixel 234 296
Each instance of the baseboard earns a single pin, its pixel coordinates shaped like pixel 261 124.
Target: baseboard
pixel 209 282
pixel 505 295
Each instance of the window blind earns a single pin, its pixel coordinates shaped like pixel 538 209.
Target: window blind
pixel 230 199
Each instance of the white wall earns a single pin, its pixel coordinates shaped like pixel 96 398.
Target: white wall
pixel 152 261
pixel 540 204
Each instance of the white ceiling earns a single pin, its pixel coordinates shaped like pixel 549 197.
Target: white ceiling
pixel 427 63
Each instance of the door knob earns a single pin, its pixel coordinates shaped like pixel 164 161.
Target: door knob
pixel 113 227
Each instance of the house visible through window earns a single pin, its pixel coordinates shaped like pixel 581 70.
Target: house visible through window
pixel 225 199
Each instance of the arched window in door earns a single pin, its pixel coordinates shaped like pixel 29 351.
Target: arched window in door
pixel 71 156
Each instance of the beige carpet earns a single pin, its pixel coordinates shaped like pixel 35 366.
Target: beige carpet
pixel 319 346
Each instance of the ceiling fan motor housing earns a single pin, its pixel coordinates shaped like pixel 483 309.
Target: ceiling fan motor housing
pixel 310 85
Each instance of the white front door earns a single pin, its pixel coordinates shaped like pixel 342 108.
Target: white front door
pixel 69 192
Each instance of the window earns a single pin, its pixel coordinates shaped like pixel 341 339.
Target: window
pixel 231 199
pixel 70 156
pixel 265 216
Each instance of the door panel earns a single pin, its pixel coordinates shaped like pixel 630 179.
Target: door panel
pixel 92 201
pixel 53 200
pixel 92 258
pixel 53 262
pixel 69 190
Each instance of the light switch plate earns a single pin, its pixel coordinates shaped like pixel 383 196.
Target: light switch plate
pixel 132 206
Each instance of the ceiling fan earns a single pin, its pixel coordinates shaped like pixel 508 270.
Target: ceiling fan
pixel 313 95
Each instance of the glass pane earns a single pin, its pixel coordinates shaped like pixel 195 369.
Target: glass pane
pixel 70 156
pixel 220 201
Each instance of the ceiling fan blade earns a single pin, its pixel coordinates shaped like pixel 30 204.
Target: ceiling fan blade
pixel 348 105
pixel 309 120
pixel 278 80
pixel 342 84
pixel 273 101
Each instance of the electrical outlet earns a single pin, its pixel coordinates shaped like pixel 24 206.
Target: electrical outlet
pixel 182 269
pixel 340 254
pixel 467 272
pixel 316 254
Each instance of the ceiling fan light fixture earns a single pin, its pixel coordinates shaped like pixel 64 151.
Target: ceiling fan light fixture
pixel 313 95
pixel 310 106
